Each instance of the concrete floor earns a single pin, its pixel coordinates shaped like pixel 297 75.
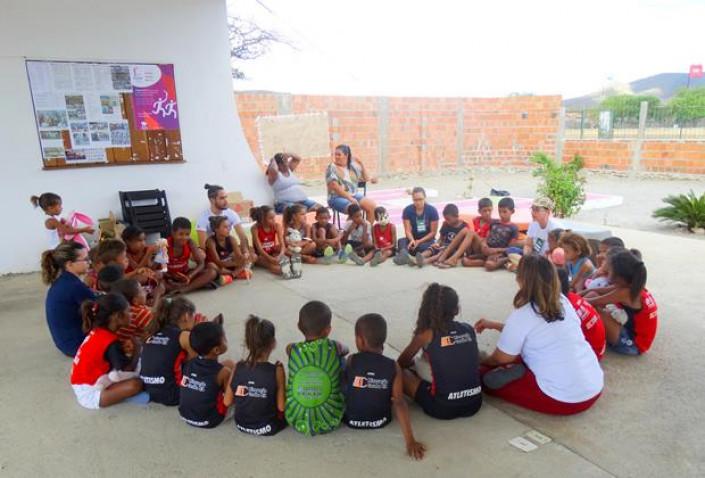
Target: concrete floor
pixel 649 421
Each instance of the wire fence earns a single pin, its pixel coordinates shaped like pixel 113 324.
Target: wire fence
pixel 661 122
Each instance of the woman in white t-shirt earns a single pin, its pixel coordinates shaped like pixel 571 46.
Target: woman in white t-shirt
pixel 542 361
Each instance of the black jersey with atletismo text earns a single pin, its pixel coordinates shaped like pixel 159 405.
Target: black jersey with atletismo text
pixel 369 379
pixel 255 397
pixel 160 370
pixel 454 360
pixel 201 401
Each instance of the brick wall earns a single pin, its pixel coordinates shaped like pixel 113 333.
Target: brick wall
pixel 417 134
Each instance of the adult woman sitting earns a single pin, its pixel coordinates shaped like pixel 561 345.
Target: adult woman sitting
pixel 542 361
pixel 286 186
pixel 420 228
pixel 61 270
pixel 342 178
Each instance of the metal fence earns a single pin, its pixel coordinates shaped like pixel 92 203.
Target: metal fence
pixel 658 123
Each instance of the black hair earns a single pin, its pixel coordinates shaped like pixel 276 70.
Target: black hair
pixel 97 313
pixel 322 210
pixel 108 251
pixel 345 149
pixel 45 200
pixel 451 210
pixel 216 221
pixel 259 338
pixel 483 203
pixel 353 209
pixel 128 288
pixel 439 305
pixel 314 317
pixel 279 158
pixel 169 310
pixel 54 260
pixel 380 211
pixel 205 336
pixel 506 202
pixel 417 190
pixel 213 190
pixel 181 223
pixel 131 233
pixel 109 275
pixel 258 214
pixel 556 233
pixel 636 252
pixel 563 279
pixel 373 328
pixel 631 270
pixel 290 212
pixel 612 241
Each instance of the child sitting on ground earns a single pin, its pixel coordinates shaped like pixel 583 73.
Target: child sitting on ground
pixel 555 253
pixel 314 401
pixel 180 278
pixel 109 251
pixel 101 374
pixel 590 321
pixel 628 310
pixel 326 236
pixel 107 277
pixel 374 384
pixel 57 227
pixel 268 240
pixel 165 351
pixel 204 378
pixel 141 265
pixel 537 235
pixel 502 235
pixel 223 253
pixel 577 259
pixel 298 235
pixel 482 222
pixel 455 238
pixel 140 324
pixel 450 348
pixel 384 237
pixel 257 387
pixel 598 278
pixel 357 234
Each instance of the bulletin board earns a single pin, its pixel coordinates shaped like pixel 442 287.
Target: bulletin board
pixel 307 134
pixel 105 114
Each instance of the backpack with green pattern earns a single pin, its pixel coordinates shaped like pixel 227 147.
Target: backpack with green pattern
pixel 314 401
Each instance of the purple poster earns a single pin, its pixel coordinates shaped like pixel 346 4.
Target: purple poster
pixel 154 97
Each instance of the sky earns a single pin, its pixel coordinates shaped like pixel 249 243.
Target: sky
pixel 467 48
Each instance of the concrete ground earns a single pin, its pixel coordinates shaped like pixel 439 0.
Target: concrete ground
pixel 649 421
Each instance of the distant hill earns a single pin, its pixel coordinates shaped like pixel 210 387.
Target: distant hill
pixel 663 85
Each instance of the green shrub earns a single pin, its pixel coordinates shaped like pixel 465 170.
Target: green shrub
pixel 562 182
pixel 687 209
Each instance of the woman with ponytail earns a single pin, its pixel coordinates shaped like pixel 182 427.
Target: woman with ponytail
pixel 342 177
pixel 450 349
pixel 627 308
pixel 102 374
pixel 62 269
pixel 257 386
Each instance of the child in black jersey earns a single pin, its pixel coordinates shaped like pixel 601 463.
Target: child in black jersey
pixel 164 353
pixel 204 378
pixel 374 384
pixel 450 348
pixel 257 387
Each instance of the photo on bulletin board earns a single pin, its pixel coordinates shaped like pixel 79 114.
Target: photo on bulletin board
pixel 103 114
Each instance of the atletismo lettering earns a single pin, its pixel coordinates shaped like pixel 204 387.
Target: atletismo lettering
pixel 152 380
pixel 470 392
pixel 368 423
pixel 256 431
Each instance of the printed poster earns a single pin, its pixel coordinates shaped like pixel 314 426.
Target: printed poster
pixel 154 97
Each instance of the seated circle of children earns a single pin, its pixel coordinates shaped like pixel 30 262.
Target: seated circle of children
pixel 577 259
pixel 180 277
pixel 384 237
pixel 257 387
pixel 374 384
pixel 314 400
pixel 223 253
pixel 627 308
pixel 450 348
pixel 455 238
pixel 542 361
pixel 165 351
pixel 58 228
pixel 590 321
pixel 268 241
pixel 501 236
pixel 420 227
pixel 102 374
pixel 204 378
pixel 357 234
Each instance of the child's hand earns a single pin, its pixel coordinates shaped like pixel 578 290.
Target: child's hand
pixel 415 450
pixel 412 244
pixel 484 324
pixel 88 230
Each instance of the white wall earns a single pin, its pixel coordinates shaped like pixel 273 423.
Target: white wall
pixel 192 35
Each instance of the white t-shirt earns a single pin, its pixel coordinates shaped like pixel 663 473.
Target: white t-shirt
pixel 563 362
pixel 204 223
pixel 540 236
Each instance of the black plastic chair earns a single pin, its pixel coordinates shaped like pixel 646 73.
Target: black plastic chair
pixel 147 210
pixel 336 214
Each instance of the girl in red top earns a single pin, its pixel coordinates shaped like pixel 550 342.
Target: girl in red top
pixel 590 321
pixel 628 310
pixel 384 236
pixel 102 374
pixel 141 265
pixel 180 278
pixel 268 238
pixel 224 254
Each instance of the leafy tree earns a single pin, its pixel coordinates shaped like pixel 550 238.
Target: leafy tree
pixel 688 104
pixel 628 106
